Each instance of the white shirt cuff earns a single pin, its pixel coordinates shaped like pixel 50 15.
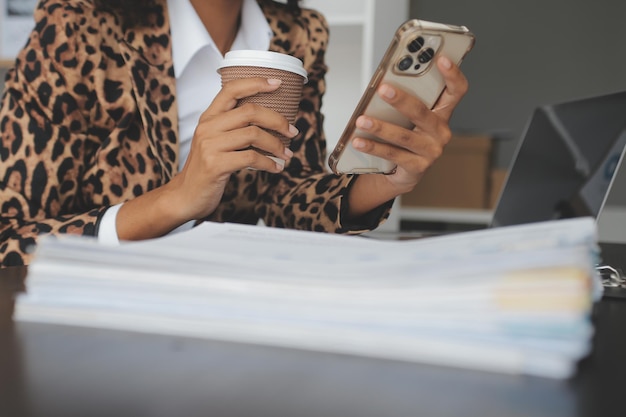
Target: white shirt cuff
pixel 183 227
pixel 107 231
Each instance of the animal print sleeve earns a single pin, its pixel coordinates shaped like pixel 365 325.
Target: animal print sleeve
pixel 41 142
pixel 306 196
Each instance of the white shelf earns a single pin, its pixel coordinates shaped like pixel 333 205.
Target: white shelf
pixel 352 9
pixel 447 215
pixel 344 20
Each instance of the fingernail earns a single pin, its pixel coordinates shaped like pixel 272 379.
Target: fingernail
pixel 387 92
pixel 280 163
pixel 364 122
pixel 358 143
pixel 293 130
pixel 445 62
pixel 274 81
pixel 288 153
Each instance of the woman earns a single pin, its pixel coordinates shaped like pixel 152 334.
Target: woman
pixel 113 124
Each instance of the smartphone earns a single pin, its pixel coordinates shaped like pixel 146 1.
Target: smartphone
pixel 409 64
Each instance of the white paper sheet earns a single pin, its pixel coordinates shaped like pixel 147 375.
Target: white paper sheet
pixel 513 299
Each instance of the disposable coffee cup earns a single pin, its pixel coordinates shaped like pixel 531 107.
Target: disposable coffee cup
pixel 252 63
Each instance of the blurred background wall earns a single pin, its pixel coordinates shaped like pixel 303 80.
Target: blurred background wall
pixel 529 53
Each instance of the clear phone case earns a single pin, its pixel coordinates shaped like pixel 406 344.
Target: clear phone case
pixel 408 63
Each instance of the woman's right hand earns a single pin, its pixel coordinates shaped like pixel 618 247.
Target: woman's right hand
pixel 221 146
pixel 222 141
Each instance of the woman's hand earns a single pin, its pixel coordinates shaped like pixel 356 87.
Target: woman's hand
pixel 222 144
pixel 413 151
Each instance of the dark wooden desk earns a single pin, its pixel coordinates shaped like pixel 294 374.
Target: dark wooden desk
pixel 50 370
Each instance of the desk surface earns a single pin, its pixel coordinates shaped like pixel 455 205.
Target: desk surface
pixel 50 370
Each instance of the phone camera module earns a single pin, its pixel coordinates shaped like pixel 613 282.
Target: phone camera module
pixel 426 55
pixel 416 44
pixel 405 63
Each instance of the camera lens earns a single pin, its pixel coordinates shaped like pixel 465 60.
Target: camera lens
pixel 405 63
pixel 426 55
pixel 416 44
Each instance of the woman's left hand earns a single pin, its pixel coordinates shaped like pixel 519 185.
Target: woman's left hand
pixel 413 151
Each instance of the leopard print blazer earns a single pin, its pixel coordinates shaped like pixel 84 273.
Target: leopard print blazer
pixel 88 119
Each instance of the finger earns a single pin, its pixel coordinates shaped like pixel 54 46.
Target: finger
pixel 413 162
pixel 456 87
pixel 252 159
pixel 395 137
pixel 248 114
pixel 235 90
pixel 410 106
pixel 252 136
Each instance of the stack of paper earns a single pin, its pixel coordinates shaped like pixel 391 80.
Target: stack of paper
pixel 513 299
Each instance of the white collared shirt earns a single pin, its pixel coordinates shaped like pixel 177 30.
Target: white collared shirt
pixel 196 59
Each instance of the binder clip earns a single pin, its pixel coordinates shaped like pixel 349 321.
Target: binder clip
pixel 611 277
pixel 613 281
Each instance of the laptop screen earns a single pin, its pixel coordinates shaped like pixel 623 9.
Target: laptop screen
pixel 611 219
pixel 565 161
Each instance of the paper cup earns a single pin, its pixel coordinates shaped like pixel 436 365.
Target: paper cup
pixel 251 63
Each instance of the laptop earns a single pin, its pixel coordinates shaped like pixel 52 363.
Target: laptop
pixel 566 163
pixel 570 163
pixel 611 220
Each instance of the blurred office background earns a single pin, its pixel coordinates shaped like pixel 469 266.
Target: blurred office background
pixel 532 52
pixel 528 53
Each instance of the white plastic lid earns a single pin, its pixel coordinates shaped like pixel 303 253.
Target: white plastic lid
pixel 268 59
